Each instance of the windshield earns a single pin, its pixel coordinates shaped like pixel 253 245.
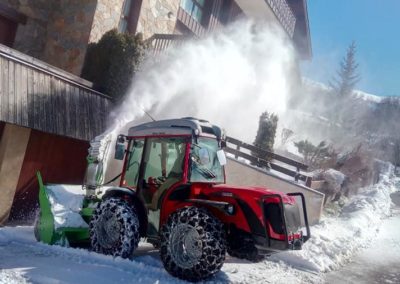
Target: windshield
pixel 205 166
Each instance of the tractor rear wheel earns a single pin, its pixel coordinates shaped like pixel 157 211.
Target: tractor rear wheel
pixel 192 244
pixel 114 228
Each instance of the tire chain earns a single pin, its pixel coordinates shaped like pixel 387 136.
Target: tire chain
pixel 213 241
pixel 129 227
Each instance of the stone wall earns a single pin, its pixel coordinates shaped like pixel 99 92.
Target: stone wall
pixel 56 32
pixel 68 34
pixel 107 17
pixel 31 37
pixel 157 16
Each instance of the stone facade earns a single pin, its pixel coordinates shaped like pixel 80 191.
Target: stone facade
pixel 31 37
pixel 106 17
pixel 68 34
pixel 56 32
pixel 157 17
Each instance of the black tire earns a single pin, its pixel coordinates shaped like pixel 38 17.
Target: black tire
pixel 197 229
pixel 114 228
pixel 242 246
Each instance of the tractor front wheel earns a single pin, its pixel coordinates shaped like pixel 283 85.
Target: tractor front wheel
pixel 192 244
pixel 114 228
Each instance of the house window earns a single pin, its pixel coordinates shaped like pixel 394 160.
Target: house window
pixel 8 30
pixel 9 20
pixel 194 8
pixel 123 23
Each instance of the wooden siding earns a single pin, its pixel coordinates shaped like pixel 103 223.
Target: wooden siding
pixel 59 159
pixel 40 96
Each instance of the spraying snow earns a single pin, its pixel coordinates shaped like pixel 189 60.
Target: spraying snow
pixel 229 78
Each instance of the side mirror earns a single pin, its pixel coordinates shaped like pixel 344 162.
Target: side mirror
pixel 120 148
pixel 221 157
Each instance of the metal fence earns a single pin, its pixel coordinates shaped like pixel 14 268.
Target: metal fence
pixel 269 160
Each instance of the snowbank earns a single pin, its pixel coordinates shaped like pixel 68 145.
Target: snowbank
pixel 336 239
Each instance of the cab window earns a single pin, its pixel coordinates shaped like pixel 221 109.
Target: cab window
pixel 163 166
pixel 133 163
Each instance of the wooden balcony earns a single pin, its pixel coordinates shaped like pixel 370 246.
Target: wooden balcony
pixel 284 14
pixel 161 42
pixel 264 9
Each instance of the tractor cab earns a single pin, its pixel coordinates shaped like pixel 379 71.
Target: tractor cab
pixel 164 155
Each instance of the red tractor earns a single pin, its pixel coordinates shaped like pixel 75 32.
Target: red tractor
pixel 173 193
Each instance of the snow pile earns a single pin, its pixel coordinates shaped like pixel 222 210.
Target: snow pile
pixel 10 276
pixel 336 239
pixel 66 203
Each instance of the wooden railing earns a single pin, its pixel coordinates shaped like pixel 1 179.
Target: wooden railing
pixel 160 42
pixel 258 157
pixel 191 23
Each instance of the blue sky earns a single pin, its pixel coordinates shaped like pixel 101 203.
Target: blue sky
pixel 375 27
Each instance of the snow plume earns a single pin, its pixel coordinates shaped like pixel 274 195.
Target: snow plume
pixel 335 240
pixel 229 78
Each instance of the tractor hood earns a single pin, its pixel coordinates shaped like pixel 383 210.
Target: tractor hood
pixel 254 191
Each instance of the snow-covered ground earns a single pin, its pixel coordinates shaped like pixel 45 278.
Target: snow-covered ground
pixel 334 242
pixel 379 263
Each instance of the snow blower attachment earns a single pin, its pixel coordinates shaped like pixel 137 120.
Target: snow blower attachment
pixel 65 210
pixel 60 221
pixel 172 192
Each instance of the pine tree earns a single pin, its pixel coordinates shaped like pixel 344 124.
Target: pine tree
pixel 347 75
pixel 266 132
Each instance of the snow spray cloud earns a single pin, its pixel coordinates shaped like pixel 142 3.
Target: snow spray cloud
pixel 229 78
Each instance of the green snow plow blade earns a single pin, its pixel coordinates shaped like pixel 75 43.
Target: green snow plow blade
pixel 47 226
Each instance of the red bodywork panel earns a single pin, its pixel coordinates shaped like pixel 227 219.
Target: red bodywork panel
pixel 252 196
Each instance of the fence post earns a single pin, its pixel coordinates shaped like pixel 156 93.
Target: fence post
pixel 238 149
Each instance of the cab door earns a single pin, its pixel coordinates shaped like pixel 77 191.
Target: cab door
pixel 163 162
